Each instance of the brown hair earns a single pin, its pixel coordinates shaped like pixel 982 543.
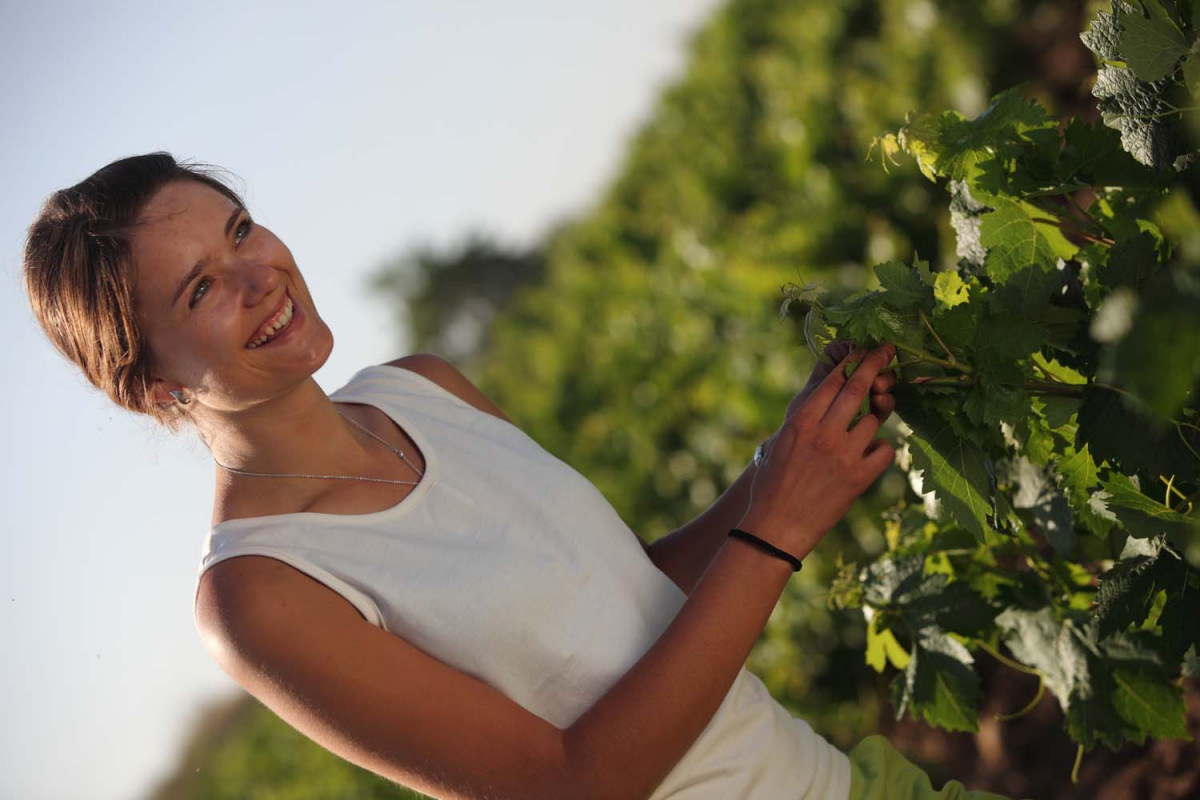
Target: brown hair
pixel 80 279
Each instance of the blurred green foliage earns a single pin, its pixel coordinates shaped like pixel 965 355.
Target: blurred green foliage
pixel 642 342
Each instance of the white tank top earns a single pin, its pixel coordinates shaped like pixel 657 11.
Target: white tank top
pixel 509 565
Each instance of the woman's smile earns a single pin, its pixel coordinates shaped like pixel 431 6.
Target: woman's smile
pixel 278 324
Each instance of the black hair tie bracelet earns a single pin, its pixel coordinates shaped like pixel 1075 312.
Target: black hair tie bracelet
pixel 766 547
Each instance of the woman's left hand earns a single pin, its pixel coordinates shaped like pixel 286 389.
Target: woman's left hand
pixel 882 401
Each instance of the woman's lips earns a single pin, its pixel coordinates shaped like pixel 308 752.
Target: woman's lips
pixel 275 313
pixel 297 317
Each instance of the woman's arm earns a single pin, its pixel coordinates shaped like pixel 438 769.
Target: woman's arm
pixel 628 740
pixel 685 553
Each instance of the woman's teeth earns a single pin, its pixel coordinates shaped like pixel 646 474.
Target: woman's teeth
pixel 275 327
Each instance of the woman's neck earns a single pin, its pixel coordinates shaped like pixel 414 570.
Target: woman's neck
pixel 301 431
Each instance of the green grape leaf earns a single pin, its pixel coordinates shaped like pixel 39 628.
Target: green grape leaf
pixel 1126 592
pixel 1124 432
pixel 1092 154
pixel 888 578
pixel 1191 75
pixel 1179 621
pixel 1104 34
pixel 1152 706
pixel 1054 648
pixel 957 470
pixel 867 319
pixel 952 146
pixel 1028 297
pixel 939 685
pixel 1039 503
pixel 1145 516
pixel 1002 340
pixel 1151 46
pixel 1015 241
pixel 1079 473
pixel 990 402
pixel 1137 110
pixel 1159 357
pixel 1092 719
pixel 905 287
pixel 882 647
pixel 1131 262
pixel 900 587
pixel 949 290
pixel 1036 440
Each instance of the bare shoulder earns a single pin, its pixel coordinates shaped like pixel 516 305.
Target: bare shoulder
pixel 445 374
pixel 232 588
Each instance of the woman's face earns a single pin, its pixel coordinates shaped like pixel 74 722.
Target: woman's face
pixel 209 283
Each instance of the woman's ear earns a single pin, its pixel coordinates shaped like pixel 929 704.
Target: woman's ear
pixel 160 392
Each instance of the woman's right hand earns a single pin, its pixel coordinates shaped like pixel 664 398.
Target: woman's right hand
pixel 816 465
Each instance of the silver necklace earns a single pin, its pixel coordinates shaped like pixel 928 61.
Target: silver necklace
pixel 334 477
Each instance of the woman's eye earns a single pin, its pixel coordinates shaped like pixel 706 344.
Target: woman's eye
pixel 197 294
pixel 245 225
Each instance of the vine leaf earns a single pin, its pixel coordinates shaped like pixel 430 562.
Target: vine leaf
pixel 1126 592
pixel 949 290
pixel 939 684
pixel 954 468
pixel 1131 92
pixel 1179 621
pixel 950 145
pixel 1015 242
pixel 1054 648
pixel 882 647
pixel 1129 436
pixel 1153 45
pixel 1148 704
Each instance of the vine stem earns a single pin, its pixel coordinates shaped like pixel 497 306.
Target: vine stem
pixel 1008 662
pixel 929 327
pixel 1081 215
pixel 1032 704
pixel 1078 761
pixel 1052 387
pixel 930 357
pixel 1045 374
pixel 1036 387
pixel 1174 110
pixel 1082 211
pixel 1062 226
pixel 1179 426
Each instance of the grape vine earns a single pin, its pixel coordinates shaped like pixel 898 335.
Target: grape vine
pixel 1049 390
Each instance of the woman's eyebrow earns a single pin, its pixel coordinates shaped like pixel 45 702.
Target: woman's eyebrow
pixel 202 263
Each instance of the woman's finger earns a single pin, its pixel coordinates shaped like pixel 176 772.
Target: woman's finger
pixel 885 381
pixel 817 403
pixel 882 406
pixel 850 395
pixel 838 350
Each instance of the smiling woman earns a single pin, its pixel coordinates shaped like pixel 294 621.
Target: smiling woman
pixel 477 619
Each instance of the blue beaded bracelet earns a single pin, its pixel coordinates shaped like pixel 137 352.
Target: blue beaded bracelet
pixel 766 547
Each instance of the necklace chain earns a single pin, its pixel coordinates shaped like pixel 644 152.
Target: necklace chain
pixel 335 477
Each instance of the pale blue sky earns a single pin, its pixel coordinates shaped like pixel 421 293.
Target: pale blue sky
pixel 357 129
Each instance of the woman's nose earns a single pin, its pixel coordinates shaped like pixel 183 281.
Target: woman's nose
pixel 259 281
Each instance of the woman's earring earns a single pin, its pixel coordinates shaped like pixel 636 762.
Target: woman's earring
pixel 179 396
